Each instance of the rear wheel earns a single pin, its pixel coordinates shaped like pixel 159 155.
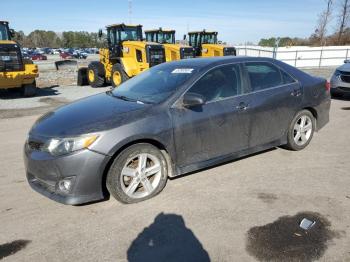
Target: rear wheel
pixel 140 172
pixel 95 73
pixel 118 75
pixel 301 130
pixel 29 90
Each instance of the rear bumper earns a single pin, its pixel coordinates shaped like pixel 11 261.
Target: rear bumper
pixel 17 79
pixel 85 169
pixel 323 112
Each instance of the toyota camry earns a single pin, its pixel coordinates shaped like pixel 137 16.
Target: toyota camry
pixel 173 119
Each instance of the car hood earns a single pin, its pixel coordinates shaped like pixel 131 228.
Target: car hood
pixel 92 114
pixel 344 68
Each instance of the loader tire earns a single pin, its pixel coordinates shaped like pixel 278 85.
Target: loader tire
pixel 82 79
pixel 118 75
pixel 96 74
pixel 29 90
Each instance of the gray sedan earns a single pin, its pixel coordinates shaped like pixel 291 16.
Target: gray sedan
pixel 340 81
pixel 173 119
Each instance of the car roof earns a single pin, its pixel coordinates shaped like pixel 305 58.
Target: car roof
pixel 213 61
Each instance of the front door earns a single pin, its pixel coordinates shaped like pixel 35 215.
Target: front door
pixel 217 128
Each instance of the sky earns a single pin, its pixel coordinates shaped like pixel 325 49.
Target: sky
pixel 236 21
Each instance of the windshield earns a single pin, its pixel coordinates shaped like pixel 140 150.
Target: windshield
pixel 166 38
pixel 209 39
pixel 154 85
pixel 129 34
pixel 3 32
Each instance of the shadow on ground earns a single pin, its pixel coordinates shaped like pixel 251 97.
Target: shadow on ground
pixel 9 249
pixel 167 239
pixel 16 93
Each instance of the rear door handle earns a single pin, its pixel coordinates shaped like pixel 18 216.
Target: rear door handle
pixel 242 106
pixel 296 92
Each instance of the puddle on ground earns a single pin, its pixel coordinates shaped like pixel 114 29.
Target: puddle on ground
pixel 346 108
pixel 267 198
pixel 284 240
pixel 9 249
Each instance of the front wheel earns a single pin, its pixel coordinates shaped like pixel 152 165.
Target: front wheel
pixel 140 172
pixel 118 75
pixel 95 74
pixel 301 131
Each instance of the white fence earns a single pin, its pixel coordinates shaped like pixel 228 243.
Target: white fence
pixel 301 56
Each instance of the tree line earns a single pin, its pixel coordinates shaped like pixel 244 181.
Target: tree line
pixel 325 34
pixel 51 39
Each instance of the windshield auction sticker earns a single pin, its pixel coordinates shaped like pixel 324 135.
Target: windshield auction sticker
pixel 182 71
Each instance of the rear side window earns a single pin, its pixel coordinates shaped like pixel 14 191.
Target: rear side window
pixel 287 79
pixel 263 75
pixel 219 83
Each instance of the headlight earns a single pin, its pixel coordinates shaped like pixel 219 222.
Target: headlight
pixel 337 73
pixel 62 146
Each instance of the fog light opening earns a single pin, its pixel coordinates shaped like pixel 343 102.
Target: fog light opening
pixel 65 185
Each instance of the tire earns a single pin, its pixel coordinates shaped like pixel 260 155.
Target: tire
pixel 82 79
pixel 96 74
pixel 118 73
pixel 299 136
pixel 129 188
pixel 29 90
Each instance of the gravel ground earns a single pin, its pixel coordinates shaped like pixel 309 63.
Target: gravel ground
pixel 245 210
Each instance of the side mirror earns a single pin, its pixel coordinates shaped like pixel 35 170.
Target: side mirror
pixel 100 33
pixel 346 61
pixel 192 99
pixel 12 33
pixel 185 36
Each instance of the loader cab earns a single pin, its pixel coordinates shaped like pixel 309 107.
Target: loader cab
pixel 5 32
pixel 160 36
pixel 119 33
pixel 197 39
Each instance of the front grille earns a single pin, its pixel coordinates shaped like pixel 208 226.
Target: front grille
pixel 187 52
pixel 10 58
pixel 346 89
pixel 345 78
pixel 155 55
pixel 229 51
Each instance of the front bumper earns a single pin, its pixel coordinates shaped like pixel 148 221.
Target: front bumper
pixel 338 86
pixel 85 168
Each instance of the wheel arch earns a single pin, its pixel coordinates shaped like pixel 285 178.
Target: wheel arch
pixel 150 141
pixel 312 110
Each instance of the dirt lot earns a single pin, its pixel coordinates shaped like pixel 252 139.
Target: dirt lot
pixel 245 210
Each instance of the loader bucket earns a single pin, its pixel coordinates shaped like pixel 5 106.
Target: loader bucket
pixel 65 64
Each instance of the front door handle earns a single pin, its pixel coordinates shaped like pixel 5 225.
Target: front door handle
pixel 242 106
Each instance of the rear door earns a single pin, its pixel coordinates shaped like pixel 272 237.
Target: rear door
pixel 218 127
pixel 273 99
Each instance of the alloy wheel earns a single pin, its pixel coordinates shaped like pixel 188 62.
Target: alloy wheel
pixel 141 175
pixel 302 130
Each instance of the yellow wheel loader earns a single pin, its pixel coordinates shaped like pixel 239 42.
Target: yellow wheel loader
pixel 167 39
pixel 16 73
pixel 125 56
pixel 206 44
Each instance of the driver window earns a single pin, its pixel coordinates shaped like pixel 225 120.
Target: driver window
pixel 219 83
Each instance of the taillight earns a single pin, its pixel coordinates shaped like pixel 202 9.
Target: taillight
pixel 328 86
